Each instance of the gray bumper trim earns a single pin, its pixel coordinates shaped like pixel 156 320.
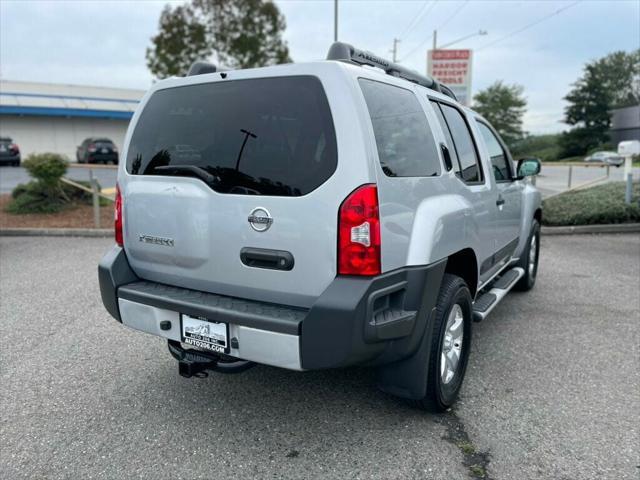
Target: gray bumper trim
pixel 248 313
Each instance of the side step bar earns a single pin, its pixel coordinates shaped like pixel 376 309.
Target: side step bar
pixel 482 306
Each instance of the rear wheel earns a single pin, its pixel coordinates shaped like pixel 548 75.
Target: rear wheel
pixel 450 344
pixel 529 260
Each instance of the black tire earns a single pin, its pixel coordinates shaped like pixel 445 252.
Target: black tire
pixel 440 395
pixel 528 280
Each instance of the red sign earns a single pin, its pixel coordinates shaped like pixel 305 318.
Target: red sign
pixel 453 68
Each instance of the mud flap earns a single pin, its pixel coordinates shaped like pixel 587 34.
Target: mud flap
pixel 407 378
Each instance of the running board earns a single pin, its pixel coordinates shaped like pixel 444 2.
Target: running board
pixel 486 302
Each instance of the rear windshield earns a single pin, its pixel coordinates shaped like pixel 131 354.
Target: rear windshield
pixel 268 136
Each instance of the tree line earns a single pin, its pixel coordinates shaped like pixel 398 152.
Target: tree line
pixel 610 82
pixel 248 33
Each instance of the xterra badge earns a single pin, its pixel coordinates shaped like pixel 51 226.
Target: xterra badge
pixel 167 242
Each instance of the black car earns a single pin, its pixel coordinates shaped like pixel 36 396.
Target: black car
pixel 9 152
pixel 97 150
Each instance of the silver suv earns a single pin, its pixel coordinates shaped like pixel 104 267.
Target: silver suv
pixel 318 215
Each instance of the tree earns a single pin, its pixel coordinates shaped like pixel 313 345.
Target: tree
pixel 182 39
pixel 238 33
pixel 607 83
pixel 503 106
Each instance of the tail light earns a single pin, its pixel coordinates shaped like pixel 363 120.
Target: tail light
pixel 118 217
pixel 359 233
pixel 14 148
pixel 92 148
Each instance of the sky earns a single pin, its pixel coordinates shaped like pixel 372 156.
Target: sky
pixel 103 42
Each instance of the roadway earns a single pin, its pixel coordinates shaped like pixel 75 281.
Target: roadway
pixel 551 390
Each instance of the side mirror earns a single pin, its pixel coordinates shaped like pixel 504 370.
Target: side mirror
pixel 528 167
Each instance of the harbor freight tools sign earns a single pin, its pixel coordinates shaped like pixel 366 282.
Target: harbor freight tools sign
pixel 453 68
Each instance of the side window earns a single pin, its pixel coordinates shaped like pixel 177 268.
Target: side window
pixel 499 157
pixel 465 149
pixel 447 134
pixel 406 146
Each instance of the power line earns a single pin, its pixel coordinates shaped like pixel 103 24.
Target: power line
pixel 423 11
pixel 528 26
pixel 451 17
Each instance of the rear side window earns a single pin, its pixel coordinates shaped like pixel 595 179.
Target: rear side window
pixel 267 136
pixel 463 142
pixel 498 155
pixel 406 146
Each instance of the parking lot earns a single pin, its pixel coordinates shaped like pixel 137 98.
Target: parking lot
pixel 552 180
pixel 551 390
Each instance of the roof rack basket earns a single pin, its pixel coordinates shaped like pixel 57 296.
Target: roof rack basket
pixel 348 53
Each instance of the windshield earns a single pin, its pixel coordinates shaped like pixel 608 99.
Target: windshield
pixel 268 136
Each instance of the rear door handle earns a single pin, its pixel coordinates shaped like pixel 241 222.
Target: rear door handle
pixel 266 258
pixel 500 201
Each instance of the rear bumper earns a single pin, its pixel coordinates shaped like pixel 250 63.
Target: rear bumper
pixel 9 158
pixel 373 320
pixel 102 157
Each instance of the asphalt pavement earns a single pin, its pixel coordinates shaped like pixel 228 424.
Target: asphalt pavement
pixel 551 390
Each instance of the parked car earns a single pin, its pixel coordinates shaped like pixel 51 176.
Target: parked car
pixel 9 152
pixel 611 158
pixel 318 215
pixel 97 150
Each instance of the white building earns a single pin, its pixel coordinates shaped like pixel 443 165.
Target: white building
pixel 44 117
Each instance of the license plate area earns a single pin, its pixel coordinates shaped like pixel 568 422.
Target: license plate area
pixel 206 334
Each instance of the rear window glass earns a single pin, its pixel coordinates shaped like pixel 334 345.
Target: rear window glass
pixel 406 146
pixel 268 136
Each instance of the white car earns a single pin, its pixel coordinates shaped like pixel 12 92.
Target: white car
pixel 610 158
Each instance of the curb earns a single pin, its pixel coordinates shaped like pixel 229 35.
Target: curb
pixel 108 232
pixel 587 229
pixel 57 232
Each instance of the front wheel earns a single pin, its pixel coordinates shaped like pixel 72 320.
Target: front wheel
pixel 529 260
pixel 450 343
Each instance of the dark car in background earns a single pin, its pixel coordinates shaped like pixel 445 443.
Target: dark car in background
pixel 9 152
pixel 97 150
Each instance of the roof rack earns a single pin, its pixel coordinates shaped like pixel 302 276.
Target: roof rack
pixel 348 53
pixel 199 68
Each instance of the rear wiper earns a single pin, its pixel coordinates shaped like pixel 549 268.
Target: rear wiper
pixel 201 173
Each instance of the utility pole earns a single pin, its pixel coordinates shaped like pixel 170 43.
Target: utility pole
pixel 335 20
pixel 435 39
pixel 394 50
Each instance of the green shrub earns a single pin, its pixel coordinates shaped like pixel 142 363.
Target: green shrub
pixel 46 167
pixel 77 195
pixel 35 197
pixel 601 204
pixel 46 193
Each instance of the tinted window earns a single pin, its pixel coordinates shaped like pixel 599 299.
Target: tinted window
pixel 268 136
pixel 406 146
pixel 499 159
pixel 447 135
pixel 465 149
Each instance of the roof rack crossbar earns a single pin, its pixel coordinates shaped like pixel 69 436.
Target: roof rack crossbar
pixel 348 53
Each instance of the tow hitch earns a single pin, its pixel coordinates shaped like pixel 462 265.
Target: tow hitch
pixel 195 363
